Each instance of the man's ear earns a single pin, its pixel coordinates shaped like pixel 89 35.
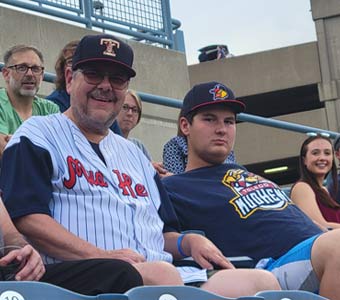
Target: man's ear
pixel 337 154
pixel 5 73
pixel 184 125
pixel 68 79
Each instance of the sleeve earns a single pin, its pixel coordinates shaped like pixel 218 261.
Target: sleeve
pixel 115 128
pixel 173 157
pixel 54 108
pixel 166 211
pixel 3 121
pixel 25 179
pixel 144 150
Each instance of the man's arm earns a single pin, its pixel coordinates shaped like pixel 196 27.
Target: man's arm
pixel 203 251
pixel 25 181
pixel 33 268
pixel 53 239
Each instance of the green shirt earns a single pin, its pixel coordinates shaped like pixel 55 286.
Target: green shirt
pixel 9 118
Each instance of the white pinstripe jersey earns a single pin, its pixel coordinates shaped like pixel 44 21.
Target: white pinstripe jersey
pixel 112 206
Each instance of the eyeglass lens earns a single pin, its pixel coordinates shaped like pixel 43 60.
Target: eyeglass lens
pixel 23 69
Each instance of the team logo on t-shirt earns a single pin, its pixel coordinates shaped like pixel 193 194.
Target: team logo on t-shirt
pixel 253 193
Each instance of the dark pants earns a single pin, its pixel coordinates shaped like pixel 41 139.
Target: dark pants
pixel 93 276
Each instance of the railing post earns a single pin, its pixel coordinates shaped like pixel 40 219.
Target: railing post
pixel 167 22
pixel 88 8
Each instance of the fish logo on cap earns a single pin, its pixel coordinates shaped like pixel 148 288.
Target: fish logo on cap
pixel 111 46
pixel 219 92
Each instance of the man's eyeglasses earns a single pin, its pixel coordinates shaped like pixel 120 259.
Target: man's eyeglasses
pixel 23 69
pixel 117 82
pixel 134 109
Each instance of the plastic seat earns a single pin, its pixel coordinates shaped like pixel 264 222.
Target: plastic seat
pixel 33 290
pixel 177 293
pixel 289 295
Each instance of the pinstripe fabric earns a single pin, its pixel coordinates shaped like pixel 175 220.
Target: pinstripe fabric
pixel 91 199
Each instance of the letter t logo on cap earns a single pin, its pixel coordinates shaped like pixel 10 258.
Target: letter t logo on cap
pixel 111 46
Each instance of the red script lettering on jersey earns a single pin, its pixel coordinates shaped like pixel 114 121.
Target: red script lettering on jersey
pixel 125 183
pixel 76 169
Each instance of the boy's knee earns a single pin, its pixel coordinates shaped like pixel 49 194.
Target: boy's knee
pixel 267 281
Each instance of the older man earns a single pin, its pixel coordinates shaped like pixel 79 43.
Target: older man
pixel 23 73
pixel 91 193
pixel 83 276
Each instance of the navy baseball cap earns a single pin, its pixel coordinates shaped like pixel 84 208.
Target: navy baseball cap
pixel 103 48
pixel 209 93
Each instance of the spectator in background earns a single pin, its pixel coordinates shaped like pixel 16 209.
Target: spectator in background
pixel 336 147
pixel 128 118
pixel 23 73
pixel 60 96
pixel 316 161
pixel 221 52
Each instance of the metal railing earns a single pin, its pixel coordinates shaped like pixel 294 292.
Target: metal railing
pixel 144 20
pixel 170 102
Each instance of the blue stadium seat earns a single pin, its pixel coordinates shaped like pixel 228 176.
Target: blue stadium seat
pixel 33 290
pixel 289 295
pixel 177 293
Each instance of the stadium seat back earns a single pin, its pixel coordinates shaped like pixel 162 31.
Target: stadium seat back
pixel 176 293
pixel 289 295
pixel 33 290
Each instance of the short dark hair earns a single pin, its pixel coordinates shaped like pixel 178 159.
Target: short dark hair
pixel 21 48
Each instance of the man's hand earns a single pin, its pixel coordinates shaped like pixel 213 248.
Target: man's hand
pixel 4 139
pixel 204 252
pixel 31 268
pixel 162 172
pixel 127 255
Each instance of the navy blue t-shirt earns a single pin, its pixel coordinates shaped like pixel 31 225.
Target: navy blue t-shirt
pixel 242 213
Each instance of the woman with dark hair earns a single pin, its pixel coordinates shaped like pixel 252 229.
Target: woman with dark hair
pixel 309 194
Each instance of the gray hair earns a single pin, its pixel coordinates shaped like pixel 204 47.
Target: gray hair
pixel 21 48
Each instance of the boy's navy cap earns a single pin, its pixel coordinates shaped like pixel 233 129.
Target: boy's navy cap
pixel 210 93
pixel 103 48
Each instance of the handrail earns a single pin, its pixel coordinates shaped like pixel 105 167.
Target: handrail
pixel 158 30
pixel 176 103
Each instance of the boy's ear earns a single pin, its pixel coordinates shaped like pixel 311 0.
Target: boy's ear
pixel 184 125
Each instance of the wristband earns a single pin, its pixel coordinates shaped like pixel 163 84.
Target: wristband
pixel 179 248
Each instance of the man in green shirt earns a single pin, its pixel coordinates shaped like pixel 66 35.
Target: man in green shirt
pixel 23 73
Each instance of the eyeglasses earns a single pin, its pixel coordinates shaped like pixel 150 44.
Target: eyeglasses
pixel 23 69
pixel 117 81
pixel 323 134
pixel 134 109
